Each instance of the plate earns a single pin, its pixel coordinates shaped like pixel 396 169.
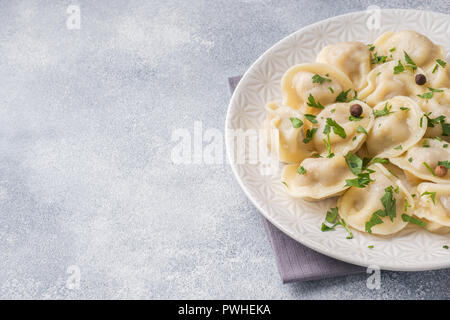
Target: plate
pixel 413 249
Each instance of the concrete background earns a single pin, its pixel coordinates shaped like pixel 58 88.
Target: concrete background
pixel 86 177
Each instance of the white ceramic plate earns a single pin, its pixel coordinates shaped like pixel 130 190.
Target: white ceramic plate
pixel 412 249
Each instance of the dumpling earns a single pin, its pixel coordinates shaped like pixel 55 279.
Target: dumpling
pixel 358 205
pixel 321 82
pixel 422 159
pixel 439 76
pixel 355 129
pixel 351 57
pixel 317 178
pixel 383 84
pixel 418 47
pixel 282 137
pixel 435 108
pixel 398 125
pixel 433 203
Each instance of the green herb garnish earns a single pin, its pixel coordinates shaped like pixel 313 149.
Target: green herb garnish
pixel 413 220
pixel 312 102
pixel 296 122
pixel 319 79
pixel 337 129
pixel 309 135
pixel 431 194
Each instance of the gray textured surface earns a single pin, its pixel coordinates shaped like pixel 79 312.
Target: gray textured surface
pixel 85 172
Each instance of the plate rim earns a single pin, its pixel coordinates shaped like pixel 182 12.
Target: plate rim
pixel 278 225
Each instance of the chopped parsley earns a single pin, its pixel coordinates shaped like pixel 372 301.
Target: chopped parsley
pixel 431 194
pixel 384 112
pixel 441 63
pixel 309 135
pixel 413 220
pixel 429 168
pixel 399 68
pixel 378 59
pixel 445 163
pixel 296 122
pixel 312 102
pixel 429 95
pixel 311 118
pixel 410 63
pixel 333 218
pixel 361 130
pixel 400 147
pixel 337 129
pixel 342 97
pixel 319 79
pixel 301 170
pixel 389 203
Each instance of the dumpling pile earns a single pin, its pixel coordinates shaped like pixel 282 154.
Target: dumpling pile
pixel 370 124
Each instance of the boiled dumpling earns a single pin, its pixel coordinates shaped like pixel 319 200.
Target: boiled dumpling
pixel 355 129
pixel 433 203
pixel 439 76
pixel 422 159
pixel 436 108
pixel 383 84
pixel 419 48
pixel 317 81
pixel 284 129
pixel 317 178
pixel 358 205
pixel 399 124
pixel 351 57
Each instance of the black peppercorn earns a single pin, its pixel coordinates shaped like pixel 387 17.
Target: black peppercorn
pixel 356 110
pixel 421 79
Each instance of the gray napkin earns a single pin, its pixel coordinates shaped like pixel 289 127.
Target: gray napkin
pixel 295 261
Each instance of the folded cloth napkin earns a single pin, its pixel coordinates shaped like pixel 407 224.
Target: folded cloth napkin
pixel 295 261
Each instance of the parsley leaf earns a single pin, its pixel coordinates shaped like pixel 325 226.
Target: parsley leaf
pixel 319 79
pixel 410 62
pixel 431 194
pixel 429 168
pixel 413 220
pixel 342 97
pixel 445 163
pixel 312 102
pixel 362 180
pixel 361 130
pixel 311 118
pixel 429 95
pixel 337 129
pixel 296 122
pixel 386 110
pixel 399 68
pixel 389 203
pixel 354 163
pixel 309 135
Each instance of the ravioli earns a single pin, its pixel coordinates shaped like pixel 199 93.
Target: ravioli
pixel 283 139
pixel 422 159
pixel 433 203
pixel 319 178
pixel 437 110
pixel 357 205
pixel 418 47
pixel 399 124
pixel 301 83
pixel 356 129
pixel 383 84
pixel 353 58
